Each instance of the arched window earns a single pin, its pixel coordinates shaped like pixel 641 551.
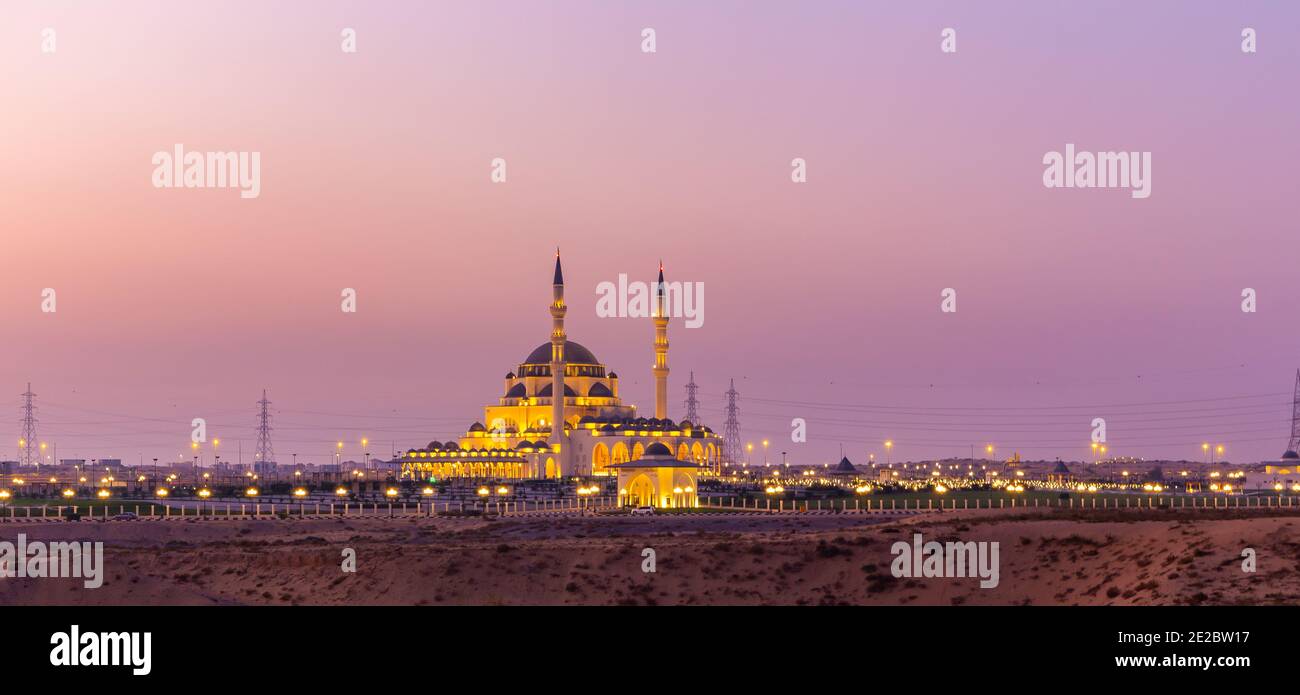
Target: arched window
pixel 599 458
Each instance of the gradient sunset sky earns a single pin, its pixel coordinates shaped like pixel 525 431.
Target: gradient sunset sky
pixel 822 301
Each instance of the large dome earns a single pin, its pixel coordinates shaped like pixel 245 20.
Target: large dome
pixel 573 354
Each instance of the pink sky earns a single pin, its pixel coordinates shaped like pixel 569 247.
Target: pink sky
pixel 924 173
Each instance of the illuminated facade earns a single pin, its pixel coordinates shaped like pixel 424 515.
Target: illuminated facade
pixel 530 433
pixel 658 479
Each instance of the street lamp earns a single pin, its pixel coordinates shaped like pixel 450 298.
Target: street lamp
pixel 749 449
pixel 889 449
pixel 764 452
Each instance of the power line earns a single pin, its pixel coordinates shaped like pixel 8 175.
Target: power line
pixel 692 403
pixel 27 455
pixel 860 406
pixel 265 454
pixel 1293 445
pixel 731 429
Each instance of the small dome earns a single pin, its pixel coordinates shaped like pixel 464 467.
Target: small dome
pixel 517 391
pixel 613 375
pixel 510 375
pixel 686 424
pixel 599 390
pixel 658 449
pixel 434 445
pixel 547 390
pixel 477 427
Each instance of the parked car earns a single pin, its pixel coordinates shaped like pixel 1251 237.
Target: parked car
pixel 643 511
pixel 126 516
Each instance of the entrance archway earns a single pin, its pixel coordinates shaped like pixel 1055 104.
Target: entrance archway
pixel 641 492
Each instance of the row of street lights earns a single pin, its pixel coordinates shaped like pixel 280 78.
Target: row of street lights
pixel 1098 449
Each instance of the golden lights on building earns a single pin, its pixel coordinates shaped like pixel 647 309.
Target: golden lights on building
pixel 596 431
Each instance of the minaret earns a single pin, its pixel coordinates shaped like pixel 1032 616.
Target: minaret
pixel 558 309
pixel 661 346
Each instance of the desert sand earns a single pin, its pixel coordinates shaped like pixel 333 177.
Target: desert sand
pixel 1055 557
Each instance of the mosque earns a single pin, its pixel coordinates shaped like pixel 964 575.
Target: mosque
pixel 587 431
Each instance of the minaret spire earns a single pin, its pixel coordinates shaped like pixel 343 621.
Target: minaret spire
pixel 558 310
pixel 661 346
